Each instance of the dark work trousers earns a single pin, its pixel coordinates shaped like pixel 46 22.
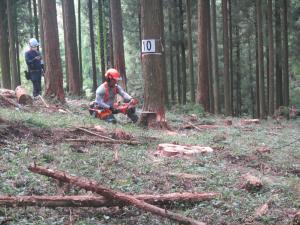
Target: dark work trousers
pixel 37 82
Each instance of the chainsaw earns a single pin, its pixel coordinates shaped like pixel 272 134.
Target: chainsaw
pixel 124 108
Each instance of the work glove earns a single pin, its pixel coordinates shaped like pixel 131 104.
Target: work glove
pixel 113 110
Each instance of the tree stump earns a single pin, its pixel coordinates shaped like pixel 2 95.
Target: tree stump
pixel 252 183
pixel 22 97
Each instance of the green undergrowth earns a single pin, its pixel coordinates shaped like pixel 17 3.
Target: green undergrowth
pixel 139 170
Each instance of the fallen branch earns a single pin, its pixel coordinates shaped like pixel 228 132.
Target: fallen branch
pixel 44 102
pixel 202 127
pixel 91 185
pixel 93 133
pixel 98 201
pixel 105 141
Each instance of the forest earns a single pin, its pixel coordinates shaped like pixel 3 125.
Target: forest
pixel 149 112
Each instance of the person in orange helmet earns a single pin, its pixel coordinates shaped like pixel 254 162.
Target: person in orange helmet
pixel 106 93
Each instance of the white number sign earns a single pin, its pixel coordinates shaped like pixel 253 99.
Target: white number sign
pixel 148 45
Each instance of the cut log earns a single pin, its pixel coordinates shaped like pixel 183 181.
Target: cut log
pixel 91 185
pixel 127 142
pixel 170 150
pixel 99 201
pixel 7 93
pixel 252 183
pixel 22 97
pixel 250 121
pixel 8 101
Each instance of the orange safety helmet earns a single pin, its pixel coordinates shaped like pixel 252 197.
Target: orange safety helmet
pixel 112 74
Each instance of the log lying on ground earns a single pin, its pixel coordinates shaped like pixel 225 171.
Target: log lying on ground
pixel 7 93
pixel 105 141
pixel 22 97
pixel 91 185
pixel 170 150
pixel 98 201
pixel 250 121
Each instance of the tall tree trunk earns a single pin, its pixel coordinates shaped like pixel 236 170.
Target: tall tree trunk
pixel 118 39
pixel 226 59
pixel 182 48
pixel 238 72
pixel 209 61
pixel 31 27
pixel 278 49
pixel 110 50
pixel 214 53
pixel 177 41
pixel 231 88
pixel 285 51
pixel 171 41
pixel 4 47
pixel 266 53
pixel 101 37
pixel 190 49
pixel 260 60
pixel 11 14
pixel 65 50
pixel 271 58
pixel 153 64
pixel 36 20
pixel 256 69
pixel 92 42
pixel 17 49
pixel 79 43
pixel 71 47
pixel 41 28
pixel 251 89
pixel 203 82
pixel 53 76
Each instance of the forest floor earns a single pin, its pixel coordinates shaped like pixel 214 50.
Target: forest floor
pixel 269 150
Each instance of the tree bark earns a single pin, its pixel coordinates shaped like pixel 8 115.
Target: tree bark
pixel 278 49
pixel 79 43
pixel 190 50
pixel 53 76
pixel 238 73
pixel 41 29
pixel 99 201
pixel 65 50
pixel 118 39
pixel 71 47
pixel 285 51
pixel 92 43
pixel 153 66
pixel 36 20
pixel 177 41
pixel 260 60
pixel 203 81
pixel 226 59
pixel 230 56
pixel 101 37
pixel 4 47
pixel 182 48
pixel 31 30
pixel 171 41
pixel 91 185
pixel 271 58
pixel 11 14
pixel 214 52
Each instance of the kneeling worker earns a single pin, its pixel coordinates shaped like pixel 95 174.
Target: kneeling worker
pixel 105 97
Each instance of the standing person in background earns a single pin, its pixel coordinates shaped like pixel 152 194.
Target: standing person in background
pixel 35 66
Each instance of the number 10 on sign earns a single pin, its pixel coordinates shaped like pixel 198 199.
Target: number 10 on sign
pixel 148 45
